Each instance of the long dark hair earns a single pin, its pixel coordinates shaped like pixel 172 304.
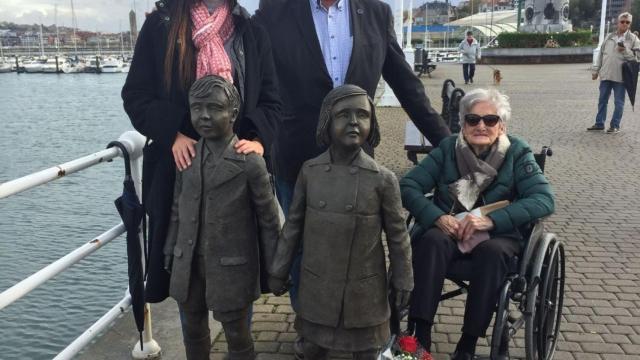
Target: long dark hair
pixel 180 41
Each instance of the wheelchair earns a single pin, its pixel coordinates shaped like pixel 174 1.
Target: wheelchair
pixel 534 285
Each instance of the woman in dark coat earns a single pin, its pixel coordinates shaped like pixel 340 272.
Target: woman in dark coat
pixel 155 98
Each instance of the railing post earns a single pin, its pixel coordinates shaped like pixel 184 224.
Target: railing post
pixel 150 348
pixel 134 142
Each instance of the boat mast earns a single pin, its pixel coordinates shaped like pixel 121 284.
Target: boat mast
pixel 55 22
pixel 121 41
pixel 41 42
pixel 74 25
pixel 99 40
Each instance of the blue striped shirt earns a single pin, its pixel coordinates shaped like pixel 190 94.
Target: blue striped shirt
pixel 334 35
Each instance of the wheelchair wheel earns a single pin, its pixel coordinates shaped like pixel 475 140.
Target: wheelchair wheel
pixel 550 311
pixel 501 324
pixel 545 300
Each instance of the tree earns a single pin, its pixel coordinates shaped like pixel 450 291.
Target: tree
pixel 465 10
pixel 584 13
pixel 635 11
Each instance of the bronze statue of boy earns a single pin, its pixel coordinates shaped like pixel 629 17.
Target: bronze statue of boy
pixel 224 217
pixel 341 203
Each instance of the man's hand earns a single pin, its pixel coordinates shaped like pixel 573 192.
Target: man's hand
pixel 470 224
pixel 248 146
pixel 183 150
pixel 594 76
pixel 168 263
pixel 277 285
pixel 448 224
pixel 621 48
pixel 402 299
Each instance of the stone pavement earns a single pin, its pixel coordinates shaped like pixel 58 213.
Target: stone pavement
pixel 596 178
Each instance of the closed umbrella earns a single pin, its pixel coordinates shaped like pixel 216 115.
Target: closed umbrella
pixel 131 212
pixel 630 78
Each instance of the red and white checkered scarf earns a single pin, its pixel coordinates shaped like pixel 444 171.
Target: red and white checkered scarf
pixel 210 31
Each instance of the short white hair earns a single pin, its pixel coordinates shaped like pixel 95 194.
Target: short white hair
pixel 626 15
pixel 492 96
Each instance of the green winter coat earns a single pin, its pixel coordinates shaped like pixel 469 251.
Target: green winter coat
pixel 519 180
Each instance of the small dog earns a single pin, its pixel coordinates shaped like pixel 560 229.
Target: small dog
pixel 496 77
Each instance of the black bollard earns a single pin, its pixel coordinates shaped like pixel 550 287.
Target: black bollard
pixel 17 66
pixel 57 69
pixel 98 69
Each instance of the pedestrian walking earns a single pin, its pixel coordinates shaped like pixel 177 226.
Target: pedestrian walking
pixel 470 50
pixel 617 48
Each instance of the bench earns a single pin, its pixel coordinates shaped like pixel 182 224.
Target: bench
pixel 422 64
pixel 414 142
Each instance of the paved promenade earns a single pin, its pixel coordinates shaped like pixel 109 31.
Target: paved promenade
pixel 596 178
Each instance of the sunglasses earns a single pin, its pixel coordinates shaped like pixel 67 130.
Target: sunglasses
pixel 625 22
pixel 474 120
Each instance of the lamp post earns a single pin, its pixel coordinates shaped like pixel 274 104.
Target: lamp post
pixel 388 98
pixel 409 52
pixel 603 17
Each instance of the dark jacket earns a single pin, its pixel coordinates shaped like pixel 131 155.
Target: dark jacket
pixel 337 215
pixel 519 180
pixel 159 115
pixel 304 81
pixel 230 210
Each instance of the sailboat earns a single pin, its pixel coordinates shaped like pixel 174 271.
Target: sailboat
pixel 124 66
pixel 5 66
pixel 36 65
pixel 74 65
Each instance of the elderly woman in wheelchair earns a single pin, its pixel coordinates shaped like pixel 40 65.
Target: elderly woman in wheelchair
pixel 480 166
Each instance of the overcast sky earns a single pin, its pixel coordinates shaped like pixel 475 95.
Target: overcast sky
pixel 100 15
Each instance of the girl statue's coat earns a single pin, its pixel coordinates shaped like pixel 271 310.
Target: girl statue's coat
pixel 337 215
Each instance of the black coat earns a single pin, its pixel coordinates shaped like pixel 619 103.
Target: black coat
pixel 304 81
pixel 159 115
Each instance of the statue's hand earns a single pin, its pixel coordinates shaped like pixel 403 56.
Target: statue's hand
pixel 277 286
pixel 402 299
pixel 168 263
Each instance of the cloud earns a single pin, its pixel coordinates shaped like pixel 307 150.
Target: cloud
pixel 101 15
pixel 92 15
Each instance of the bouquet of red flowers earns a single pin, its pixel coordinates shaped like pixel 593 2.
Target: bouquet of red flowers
pixel 409 349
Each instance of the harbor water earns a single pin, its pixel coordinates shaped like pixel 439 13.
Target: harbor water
pixel 45 120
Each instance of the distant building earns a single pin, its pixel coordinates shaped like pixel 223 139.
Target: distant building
pixel 437 12
pixel 133 25
pixel 495 5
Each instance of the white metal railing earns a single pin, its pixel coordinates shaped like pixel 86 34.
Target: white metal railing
pixel 25 286
pixel 44 176
pixel 134 143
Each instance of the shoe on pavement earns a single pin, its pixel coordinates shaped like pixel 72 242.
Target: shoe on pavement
pixel 613 130
pixel 298 350
pixel 595 128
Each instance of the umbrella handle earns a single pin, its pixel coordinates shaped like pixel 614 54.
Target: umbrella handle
pixel 125 155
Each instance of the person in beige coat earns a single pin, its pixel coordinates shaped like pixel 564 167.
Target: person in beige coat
pixel 341 203
pixel 223 219
pixel 617 47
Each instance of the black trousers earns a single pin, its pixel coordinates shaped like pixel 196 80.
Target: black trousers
pixel 468 70
pixel 435 251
